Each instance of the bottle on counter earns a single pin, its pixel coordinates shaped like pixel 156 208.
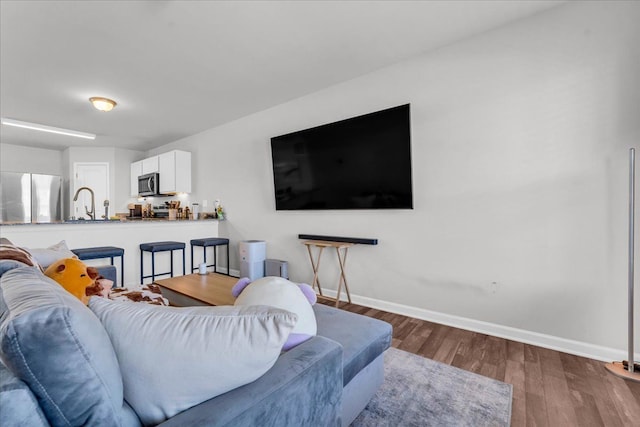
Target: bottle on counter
pixel 194 210
pixel 219 210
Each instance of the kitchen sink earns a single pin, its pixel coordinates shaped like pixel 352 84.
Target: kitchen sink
pixel 82 221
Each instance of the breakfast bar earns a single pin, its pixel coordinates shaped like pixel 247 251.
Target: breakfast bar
pixel 123 234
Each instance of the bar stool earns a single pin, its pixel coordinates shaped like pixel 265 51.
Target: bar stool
pixel 154 247
pixel 205 243
pixel 102 252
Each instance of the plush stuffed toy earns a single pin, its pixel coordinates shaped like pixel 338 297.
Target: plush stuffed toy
pixel 281 293
pixel 76 278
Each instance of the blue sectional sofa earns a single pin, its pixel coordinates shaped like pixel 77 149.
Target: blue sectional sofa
pixel 325 381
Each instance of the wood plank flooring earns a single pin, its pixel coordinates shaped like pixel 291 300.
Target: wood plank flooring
pixel 550 388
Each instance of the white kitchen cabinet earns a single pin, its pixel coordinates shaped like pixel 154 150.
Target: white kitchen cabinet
pixel 173 167
pixel 150 165
pixel 136 171
pixel 175 172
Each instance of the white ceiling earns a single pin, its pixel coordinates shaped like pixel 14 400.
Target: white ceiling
pixel 177 68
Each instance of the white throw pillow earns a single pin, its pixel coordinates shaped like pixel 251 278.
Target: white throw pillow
pixel 286 295
pixel 174 358
pixel 47 256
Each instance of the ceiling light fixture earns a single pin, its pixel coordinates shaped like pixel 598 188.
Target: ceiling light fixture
pixel 44 128
pixel 102 104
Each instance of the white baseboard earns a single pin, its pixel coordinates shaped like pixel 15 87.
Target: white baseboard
pixel 578 348
pixel 223 270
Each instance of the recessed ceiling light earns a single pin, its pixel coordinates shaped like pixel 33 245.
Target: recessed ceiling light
pixel 45 128
pixel 102 104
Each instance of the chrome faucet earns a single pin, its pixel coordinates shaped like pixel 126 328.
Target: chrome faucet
pixel 91 213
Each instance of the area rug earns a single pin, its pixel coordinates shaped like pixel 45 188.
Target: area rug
pixel 422 392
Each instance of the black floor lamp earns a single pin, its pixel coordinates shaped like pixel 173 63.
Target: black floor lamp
pixel 628 369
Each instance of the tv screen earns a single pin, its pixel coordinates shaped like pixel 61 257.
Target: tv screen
pixel 359 163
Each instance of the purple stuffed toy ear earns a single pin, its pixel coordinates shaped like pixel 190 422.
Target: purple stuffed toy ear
pixel 308 292
pixel 239 286
pixel 294 340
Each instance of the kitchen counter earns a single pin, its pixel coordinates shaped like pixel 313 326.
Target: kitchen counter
pixel 126 234
pixel 111 221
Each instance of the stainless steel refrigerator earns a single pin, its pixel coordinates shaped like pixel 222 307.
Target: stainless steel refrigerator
pixel 27 197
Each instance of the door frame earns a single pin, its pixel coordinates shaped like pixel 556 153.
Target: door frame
pixel 74 184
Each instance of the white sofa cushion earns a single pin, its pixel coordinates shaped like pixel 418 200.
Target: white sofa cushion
pixel 47 256
pixel 174 358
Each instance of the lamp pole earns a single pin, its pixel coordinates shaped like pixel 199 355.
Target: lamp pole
pixel 629 369
pixel 632 197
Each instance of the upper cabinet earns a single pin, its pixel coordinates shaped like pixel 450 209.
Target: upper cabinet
pixel 175 172
pixel 174 169
pixel 136 171
pixel 150 165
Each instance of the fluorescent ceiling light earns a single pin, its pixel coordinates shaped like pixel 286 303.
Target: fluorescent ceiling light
pixel 44 128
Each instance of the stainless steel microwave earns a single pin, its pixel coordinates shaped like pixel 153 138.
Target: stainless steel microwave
pixel 149 184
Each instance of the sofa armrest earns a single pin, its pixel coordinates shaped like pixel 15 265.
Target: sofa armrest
pixel 18 405
pixel 303 388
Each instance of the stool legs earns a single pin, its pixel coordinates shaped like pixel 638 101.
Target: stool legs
pixel 160 247
pixel 121 269
pixel 215 258
pixel 153 265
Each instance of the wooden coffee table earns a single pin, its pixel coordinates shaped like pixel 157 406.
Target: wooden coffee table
pixel 196 289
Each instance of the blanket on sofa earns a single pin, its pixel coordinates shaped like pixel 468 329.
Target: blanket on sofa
pixel 150 294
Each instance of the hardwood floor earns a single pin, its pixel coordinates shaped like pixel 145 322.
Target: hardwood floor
pixel 550 388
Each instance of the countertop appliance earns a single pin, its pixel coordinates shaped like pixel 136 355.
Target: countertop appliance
pixel 149 184
pixel 161 211
pixel 30 198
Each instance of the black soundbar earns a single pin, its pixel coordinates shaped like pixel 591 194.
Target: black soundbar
pixel 359 240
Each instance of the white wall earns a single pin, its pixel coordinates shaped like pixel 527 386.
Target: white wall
pixel 87 154
pixel 519 140
pixel 119 173
pixel 122 177
pixel 15 158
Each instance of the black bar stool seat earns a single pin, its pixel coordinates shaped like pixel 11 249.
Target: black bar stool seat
pixel 210 242
pixel 154 247
pixel 99 252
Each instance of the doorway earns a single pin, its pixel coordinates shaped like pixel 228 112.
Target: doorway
pixel 94 175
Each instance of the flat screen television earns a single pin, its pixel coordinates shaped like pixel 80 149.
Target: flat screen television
pixel 359 163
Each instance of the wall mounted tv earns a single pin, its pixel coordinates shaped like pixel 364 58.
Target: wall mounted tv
pixel 359 163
